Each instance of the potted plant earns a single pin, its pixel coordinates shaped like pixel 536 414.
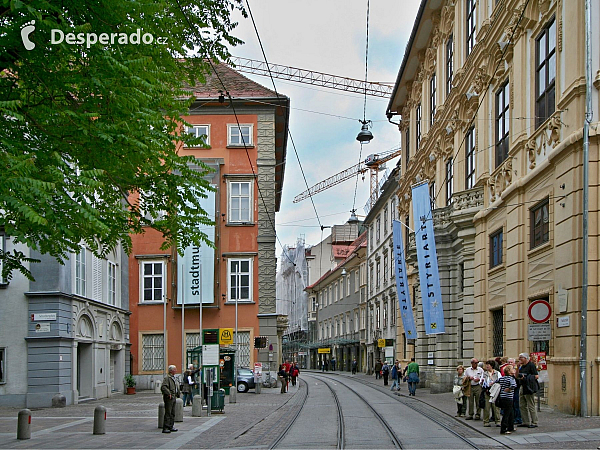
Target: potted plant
pixel 130 384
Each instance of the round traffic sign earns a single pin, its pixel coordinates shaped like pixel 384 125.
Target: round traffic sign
pixel 539 311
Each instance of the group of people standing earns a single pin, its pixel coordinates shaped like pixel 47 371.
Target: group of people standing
pixel 501 386
pixel 288 372
pixel 410 374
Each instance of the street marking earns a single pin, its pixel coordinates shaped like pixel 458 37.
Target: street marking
pixel 184 438
pixel 60 427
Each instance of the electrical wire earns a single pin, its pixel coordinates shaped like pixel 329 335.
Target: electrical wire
pixel 366 63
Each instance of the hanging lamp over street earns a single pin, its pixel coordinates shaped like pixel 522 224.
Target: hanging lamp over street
pixel 364 136
pixel 353 219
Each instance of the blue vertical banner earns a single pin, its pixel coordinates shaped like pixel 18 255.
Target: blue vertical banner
pixel 406 312
pixel 431 293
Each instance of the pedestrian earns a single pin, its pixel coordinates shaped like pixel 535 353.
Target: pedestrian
pixel 354 366
pixel 459 392
pixel 508 385
pixel 385 372
pixel 188 383
pixel 282 374
pixel 474 373
pixel 326 365
pixel 503 364
pixel 517 391
pixel 378 366
pixel 333 363
pixel 170 392
pixel 294 371
pixel 490 377
pixel 528 376
pixel 412 374
pixel 396 376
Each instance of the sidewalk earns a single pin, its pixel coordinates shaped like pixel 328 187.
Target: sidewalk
pixel 132 422
pixel 555 429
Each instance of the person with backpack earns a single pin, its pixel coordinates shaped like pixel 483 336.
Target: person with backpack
pixel 412 376
pixel 385 372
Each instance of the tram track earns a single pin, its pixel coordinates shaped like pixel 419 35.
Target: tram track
pixel 446 421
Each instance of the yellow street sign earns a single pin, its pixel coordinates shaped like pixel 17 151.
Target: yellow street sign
pixel 324 350
pixel 380 343
pixel 225 336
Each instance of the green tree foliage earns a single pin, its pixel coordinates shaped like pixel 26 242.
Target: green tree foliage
pixel 84 126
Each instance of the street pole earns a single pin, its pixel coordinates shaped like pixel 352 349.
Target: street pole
pixel 165 364
pixel 183 343
pixel 584 262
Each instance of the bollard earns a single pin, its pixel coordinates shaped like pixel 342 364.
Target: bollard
pixel 59 401
pixel 197 406
pixel 161 415
pixel 100 420
pixel 232 393
pixel 179 410
pixel 257 387
pixel 157 385
pixel 24 424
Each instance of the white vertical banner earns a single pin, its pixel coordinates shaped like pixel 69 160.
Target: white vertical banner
pixel 196 268
pixel 406 312
pixel 429 277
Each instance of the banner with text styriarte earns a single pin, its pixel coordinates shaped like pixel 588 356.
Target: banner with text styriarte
pixel 431 292
pixel 406 312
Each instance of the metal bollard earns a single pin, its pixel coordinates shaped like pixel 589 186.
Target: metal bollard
pixel 161 415
pixel 197 406
pixel 258 386
pixel 100 420
pixel 24 424
pixel 232 394
pixel 178 410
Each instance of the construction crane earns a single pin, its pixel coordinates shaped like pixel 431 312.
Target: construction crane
pixel 371 163
pixel 374 89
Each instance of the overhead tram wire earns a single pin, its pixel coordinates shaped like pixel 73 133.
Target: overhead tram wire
pixel 262 49
pixel 453 159
pixel 242 136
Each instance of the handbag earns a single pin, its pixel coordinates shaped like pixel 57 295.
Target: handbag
pixel 494 392
pixel 482 400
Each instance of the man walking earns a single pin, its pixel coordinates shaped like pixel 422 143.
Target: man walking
pixel 528 376
pixel 170 392
pixel 475 374
pixel 396 376
pixel 354 366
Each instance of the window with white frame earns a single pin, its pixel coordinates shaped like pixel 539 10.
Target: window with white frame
pixel 2 365
pixel 200 131
pixel 378 274
pixel 393 313
pixel 153 281
pixel 153 352
pixel 348 285
pixel 80 284
pixel 239 135
pixel 341 289
pixel 393 209
pixel 240 279
pixel 470 159
pixel 330 295
pixel 112 284
pixel 385 315
pixel 432 99
pixel 449 63
pixel 449 181
pixel 545 73
pixel 356 280
pixel 502 122
pixel 418 118
pixel 471 24
pixel 240 201
pixel 335 292
pixel 377 317
pixel 355 321
pixel 385 265
pixel 378 229
pixel 385 221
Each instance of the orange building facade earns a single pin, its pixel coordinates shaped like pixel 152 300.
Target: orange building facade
pixel 246 137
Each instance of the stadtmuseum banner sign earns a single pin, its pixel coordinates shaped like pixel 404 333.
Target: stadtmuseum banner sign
pixel 196 269
pixel 431 293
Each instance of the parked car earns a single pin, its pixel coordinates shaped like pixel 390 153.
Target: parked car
pixel 245 379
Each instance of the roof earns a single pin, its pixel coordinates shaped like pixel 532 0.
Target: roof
pixel 235 83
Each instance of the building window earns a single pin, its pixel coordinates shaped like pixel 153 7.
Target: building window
pixel 80 271
pixel 385 221
pixel 449 181
pixel 461 276
pixel 393 313
pixel 356 280
pixel 356 322
pixel 2 365
pixel 371 232
pixel 377 318
pixel 2 249
pixel 371 276
pixel 240 201
pixel 540 224
pixel 498 332
pixel 449 63
pixel 471 24
pixel 385 315
pixel 153 352
pixel 502 123
pixel 242 342
pixel 418 124
pixel 545 73
pixel 378 274
pixel 470 159
pixel 393 209
pixel 200 131
pixel 378 229
pixel 432 105
pixel 407 146
pixel 432 194
pixel 385 266
pixel 330 296
pixel 406 234
pixel 192 340
pixel 239 135
pixel 153 281
pixel 112 283
pixel 461 333
pixel 240 276
pixel 496 248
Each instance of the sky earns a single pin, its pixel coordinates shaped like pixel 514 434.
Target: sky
pixel 328 36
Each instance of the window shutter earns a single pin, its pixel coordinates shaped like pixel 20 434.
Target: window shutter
pixel 96 278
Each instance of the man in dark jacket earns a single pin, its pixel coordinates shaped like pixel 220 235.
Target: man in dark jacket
pixel 527 378
pixel 170 392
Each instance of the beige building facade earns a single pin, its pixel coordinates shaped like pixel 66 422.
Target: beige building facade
pixel 491 100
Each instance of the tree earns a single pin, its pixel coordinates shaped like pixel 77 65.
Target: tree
pixel 90 119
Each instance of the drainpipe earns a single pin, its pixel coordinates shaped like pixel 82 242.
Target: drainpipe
pixel 584 265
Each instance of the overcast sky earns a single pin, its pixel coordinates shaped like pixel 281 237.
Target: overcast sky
pixel 328 36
